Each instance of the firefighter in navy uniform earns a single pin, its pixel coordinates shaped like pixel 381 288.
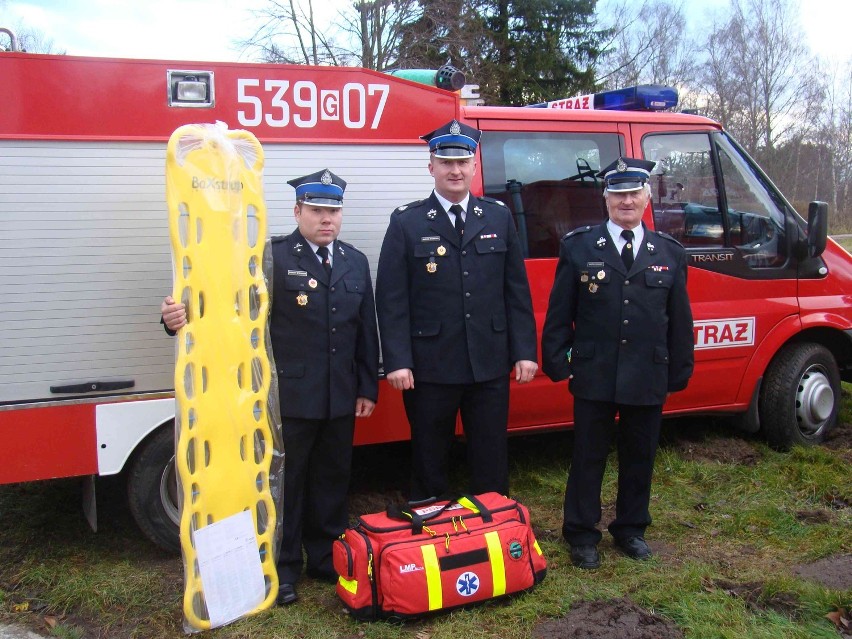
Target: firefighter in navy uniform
pixel 326 350
pixel 619 328
pixel 455 317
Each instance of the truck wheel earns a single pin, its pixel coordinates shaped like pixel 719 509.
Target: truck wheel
pixel 152 489
pixel 800 396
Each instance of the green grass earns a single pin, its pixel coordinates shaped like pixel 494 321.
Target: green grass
pixel 715 522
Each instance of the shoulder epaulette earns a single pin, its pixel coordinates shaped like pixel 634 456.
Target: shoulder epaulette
pixel 485 198
pixel 668 237
pixel 349 246
pixel 278 238
pixel 581 229
pixel 410 205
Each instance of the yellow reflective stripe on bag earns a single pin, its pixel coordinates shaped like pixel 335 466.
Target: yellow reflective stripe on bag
pixel 495 558
pixel 433 577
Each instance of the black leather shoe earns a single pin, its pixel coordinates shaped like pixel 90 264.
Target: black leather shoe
pixel 634 547
pixel 287 594
pixel 585 556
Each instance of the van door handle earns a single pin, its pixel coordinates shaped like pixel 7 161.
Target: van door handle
pixel 88 387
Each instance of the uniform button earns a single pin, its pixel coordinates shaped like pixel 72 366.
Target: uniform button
pixel 466 273
pixel 627 282
pixel 627 301
pixel 467 294
pixel 334 330
pixel 420 332
pixel 624 341
pixel 626 322
pixel 492 248
pixel 467 316
pixel 333 309
pixel 332 289
pixel 464 252
pixel 333 351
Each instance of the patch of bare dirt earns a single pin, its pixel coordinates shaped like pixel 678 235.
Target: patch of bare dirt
pixel 704 440
pixel 613 619
pixel 832 572
pixel 756 596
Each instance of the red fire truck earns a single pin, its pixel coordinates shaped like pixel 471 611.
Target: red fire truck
pixel 86 371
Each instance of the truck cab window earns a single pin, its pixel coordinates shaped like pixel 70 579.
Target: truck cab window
pixel 732 208
pixel 755 212
pixel 684 190
pixel 548 181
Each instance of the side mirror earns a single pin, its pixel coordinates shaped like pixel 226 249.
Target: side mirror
pixel 817 228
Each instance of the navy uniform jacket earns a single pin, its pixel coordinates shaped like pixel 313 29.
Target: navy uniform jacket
pixel 323 333
pixel 629 334
pixel 453 312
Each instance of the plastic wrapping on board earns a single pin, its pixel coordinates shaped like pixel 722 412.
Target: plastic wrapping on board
pixel 229 449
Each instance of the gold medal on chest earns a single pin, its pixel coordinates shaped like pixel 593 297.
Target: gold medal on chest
pixel 442 250
pixel 431 267
pixel 593 288
pixel 601 275
pixel 302 299
pixel 312 283
pixel 584 278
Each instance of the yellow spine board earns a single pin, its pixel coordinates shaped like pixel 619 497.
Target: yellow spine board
pixel 217 223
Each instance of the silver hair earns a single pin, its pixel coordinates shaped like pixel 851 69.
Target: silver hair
pixel 646 188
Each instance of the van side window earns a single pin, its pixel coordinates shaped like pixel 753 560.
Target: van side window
pixel 684 190
pixel 689 193
pixel 547 179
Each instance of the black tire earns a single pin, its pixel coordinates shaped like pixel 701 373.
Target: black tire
pixel 152 489
pixel 800 396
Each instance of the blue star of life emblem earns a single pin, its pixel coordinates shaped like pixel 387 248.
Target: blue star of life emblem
pixel 467 584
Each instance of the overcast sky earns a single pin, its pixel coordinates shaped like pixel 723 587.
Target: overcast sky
pixel 206 29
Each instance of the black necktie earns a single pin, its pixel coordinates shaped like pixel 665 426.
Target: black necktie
pixel 457 209
pixel 627 251
pixel 322 251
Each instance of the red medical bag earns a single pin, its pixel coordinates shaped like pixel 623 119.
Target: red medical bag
pixel 442 555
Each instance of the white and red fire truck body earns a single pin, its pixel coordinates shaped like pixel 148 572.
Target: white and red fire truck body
pixel 86 371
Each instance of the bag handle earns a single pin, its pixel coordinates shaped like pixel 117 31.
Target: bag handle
pixel 470 502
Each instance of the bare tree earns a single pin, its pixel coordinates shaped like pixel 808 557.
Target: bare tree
pixel 650 45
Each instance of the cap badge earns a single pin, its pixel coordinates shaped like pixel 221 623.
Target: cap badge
pixel 302 299
pixel 601 241
pixel 326 178
pixel 477 211
pixel 621 167
pixel 455 129
pixel 312 283
pixel 441 250
pixel 431 214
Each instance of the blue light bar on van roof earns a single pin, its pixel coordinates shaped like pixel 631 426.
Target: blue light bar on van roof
pixel 643 97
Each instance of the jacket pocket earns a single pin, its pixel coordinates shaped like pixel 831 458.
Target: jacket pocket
pixel 498 322
pixel 355 286
pixel 425 329
pixel 661 355
pixel 291 370
pixel 658 279
pixel 490 245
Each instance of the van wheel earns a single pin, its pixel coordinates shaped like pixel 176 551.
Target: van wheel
pixel 152 489
pixel 800 398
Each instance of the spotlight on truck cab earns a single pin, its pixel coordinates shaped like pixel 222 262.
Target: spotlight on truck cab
pixel 447 77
